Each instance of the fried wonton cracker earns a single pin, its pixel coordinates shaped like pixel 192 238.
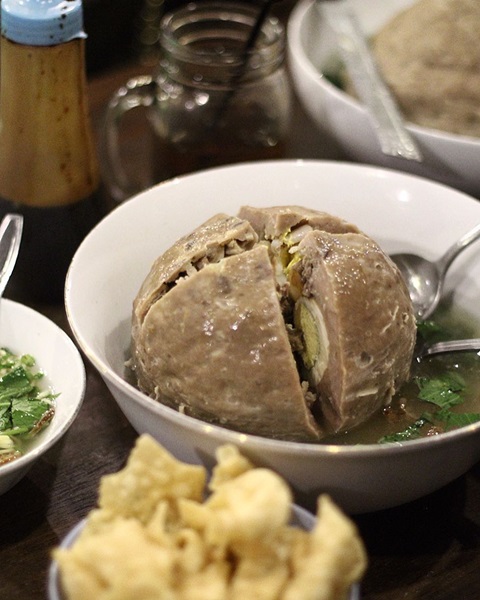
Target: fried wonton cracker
pixel 154 536
pixel 151 475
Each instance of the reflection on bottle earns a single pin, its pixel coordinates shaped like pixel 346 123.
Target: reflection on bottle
pixel 49 170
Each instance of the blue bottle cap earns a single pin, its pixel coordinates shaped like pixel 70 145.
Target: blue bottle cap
pixel 42 22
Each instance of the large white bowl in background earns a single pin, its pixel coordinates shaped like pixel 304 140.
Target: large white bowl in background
pixel 400 211
pixel 25 331
pixel 448 158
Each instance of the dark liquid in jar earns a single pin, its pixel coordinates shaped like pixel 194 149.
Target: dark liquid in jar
pixel 171 160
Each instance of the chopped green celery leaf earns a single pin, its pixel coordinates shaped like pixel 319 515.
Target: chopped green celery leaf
pixel 9 360
pixel 27 413
pixel 455 420
pixel 27 360
pixel 409 433
pixel 15 383
pixel 431 331
pixel 16 431
pixel 5 354
pixel 5 415
pixel 442 391
pixel 24 407
pixel 7 364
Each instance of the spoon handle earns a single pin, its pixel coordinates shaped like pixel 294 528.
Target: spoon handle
pixel 394 138
pixel 472 344
pixel 452 253
pixel 10 237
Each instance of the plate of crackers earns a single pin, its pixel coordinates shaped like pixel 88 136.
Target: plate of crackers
pixel 161 530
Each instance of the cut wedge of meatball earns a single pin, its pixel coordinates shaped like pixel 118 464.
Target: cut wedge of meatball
pixel 216 347
pixel 357 325
pixel 220 236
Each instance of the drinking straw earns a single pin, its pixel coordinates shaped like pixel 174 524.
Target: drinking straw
pixel 250 44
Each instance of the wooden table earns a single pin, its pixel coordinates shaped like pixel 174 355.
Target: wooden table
pixel 426 549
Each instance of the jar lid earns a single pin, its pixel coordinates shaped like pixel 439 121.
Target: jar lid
pixel 42 22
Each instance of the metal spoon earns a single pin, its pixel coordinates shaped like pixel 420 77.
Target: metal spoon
pixel 11 229
pixel 466 345
pixel 395 140
pixel 425 279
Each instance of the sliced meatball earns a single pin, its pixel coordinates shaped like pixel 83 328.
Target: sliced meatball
pixel 216 347
pixel 220 236
pixel 359 344
pixel 284 322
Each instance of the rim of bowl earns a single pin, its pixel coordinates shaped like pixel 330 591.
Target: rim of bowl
pixel 223 434
pixel 45 444
pixel 297 50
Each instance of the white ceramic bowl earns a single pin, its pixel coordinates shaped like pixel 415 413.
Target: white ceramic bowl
pixel 25 331
pixel 400 211
pixel 300 518
pixel 448 158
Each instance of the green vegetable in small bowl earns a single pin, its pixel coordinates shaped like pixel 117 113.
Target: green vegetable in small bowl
pixel 25 406
pixel 33 416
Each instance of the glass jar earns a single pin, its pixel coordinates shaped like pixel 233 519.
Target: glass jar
pixel 211 101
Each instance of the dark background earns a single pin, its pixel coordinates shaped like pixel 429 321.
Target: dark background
pixel 116 28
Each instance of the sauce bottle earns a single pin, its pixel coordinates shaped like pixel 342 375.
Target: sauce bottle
pixel 49 169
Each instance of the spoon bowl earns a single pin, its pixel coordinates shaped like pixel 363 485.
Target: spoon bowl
pixel 423 282
pixel 425 278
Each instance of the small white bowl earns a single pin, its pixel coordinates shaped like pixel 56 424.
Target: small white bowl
pixel 25 331
pixel 300 518
pixel 448 158
pixel 400 211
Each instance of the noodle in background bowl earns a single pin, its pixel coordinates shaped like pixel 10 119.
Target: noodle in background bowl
pixel 25 331
pixel 400 211
pixel 448 158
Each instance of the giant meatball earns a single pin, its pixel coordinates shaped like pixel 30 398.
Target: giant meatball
pixel 282 322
